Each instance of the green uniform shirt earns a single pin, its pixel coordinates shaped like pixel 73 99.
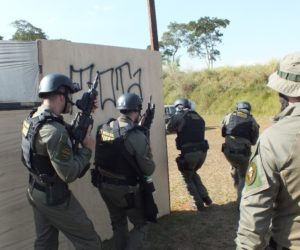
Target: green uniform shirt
pixel 271 196
pixel 53 141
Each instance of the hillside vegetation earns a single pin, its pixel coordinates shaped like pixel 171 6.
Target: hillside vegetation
pixel 217 91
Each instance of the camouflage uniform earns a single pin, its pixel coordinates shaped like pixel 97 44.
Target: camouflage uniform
pixel 122 197
pixel 193 154
pixel 68 216
pixel 237 148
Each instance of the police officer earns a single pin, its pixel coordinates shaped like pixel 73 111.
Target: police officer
pixel 190 128
pixel 271 196
pixel 47 154
pixel 240 130
pixel 123 154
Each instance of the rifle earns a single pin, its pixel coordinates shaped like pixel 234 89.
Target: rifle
pixel 148 116
pixel 83 118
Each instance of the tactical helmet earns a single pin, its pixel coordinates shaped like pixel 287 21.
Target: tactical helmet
pixel 184 102
pixel 130 102
pixel 52 82
pixel 243 105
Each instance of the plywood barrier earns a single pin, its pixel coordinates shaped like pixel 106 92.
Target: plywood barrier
pixel 121 70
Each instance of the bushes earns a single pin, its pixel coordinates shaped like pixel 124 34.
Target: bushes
pixel 217 91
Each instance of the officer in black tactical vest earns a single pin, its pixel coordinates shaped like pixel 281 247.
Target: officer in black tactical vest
pixel 190 128
pixel 123 156
pixel 47 154
pixel 240 130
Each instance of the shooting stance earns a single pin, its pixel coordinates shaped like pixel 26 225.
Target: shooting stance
pixel 123 169
pixel 47 153
pixel 190 128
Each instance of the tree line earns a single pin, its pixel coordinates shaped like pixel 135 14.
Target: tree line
pixel 200 38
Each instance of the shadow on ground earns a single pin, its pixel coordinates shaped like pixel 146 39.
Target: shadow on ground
pixel 212 229
pixel 211 127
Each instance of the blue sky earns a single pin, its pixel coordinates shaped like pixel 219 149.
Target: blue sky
pixel 259 31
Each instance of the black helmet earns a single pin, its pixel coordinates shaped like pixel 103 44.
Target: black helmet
pixel 130 102
pixel 184 102
pixel 243 105
pixel 52 82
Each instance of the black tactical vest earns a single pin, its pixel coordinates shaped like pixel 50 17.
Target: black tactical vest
pixel 192 131
pixel 110 150
pixel 239 125
pixel 38 165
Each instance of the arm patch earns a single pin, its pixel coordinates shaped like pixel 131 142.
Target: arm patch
pixel 256 179
pixel 64 150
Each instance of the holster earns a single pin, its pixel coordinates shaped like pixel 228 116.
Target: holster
pixel 130 199
pixel 56 193
pixel 181 163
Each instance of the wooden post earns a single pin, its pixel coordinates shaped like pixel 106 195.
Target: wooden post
pixel 153 25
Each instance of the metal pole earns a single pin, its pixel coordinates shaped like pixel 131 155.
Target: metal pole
pixel 153 25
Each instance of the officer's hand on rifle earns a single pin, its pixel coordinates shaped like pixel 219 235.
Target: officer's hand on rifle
pixel 147 117
pixel 96 104
pixel 89 141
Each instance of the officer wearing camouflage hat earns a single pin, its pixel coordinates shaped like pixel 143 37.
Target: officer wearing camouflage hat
pixel 48 156
pixel 240 130
pixel 271 196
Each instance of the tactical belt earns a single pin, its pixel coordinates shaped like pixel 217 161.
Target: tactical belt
pixel 246 151
pixel 240 152
pixel 275 246
pixel 198 147
pixel 118 182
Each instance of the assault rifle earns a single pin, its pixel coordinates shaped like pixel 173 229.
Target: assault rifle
pixel 148 116
pixel 83 118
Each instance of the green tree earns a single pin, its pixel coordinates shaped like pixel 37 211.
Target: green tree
pixel 26 31
pixel 203 36
pixel 1 37
pixel 172 41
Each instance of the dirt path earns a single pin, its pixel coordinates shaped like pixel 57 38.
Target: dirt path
pixel 188 229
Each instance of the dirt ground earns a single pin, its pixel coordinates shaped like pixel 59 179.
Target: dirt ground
pixel 187 229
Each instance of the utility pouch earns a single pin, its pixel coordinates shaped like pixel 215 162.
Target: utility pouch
pixel 56 193
pixel 130 199
pixel 178 143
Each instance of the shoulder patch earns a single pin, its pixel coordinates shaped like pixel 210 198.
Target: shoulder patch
pixel 251 174
pixel 64 151
pixel 256 179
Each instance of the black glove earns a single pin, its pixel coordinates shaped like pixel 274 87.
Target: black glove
pixel 95 177
pixel 86 168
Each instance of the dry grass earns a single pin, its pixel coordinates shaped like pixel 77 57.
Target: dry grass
pixel 187 229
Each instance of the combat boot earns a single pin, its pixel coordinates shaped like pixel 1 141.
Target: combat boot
pixel 207 201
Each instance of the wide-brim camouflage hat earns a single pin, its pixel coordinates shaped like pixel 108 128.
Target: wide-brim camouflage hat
pixel 287 78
